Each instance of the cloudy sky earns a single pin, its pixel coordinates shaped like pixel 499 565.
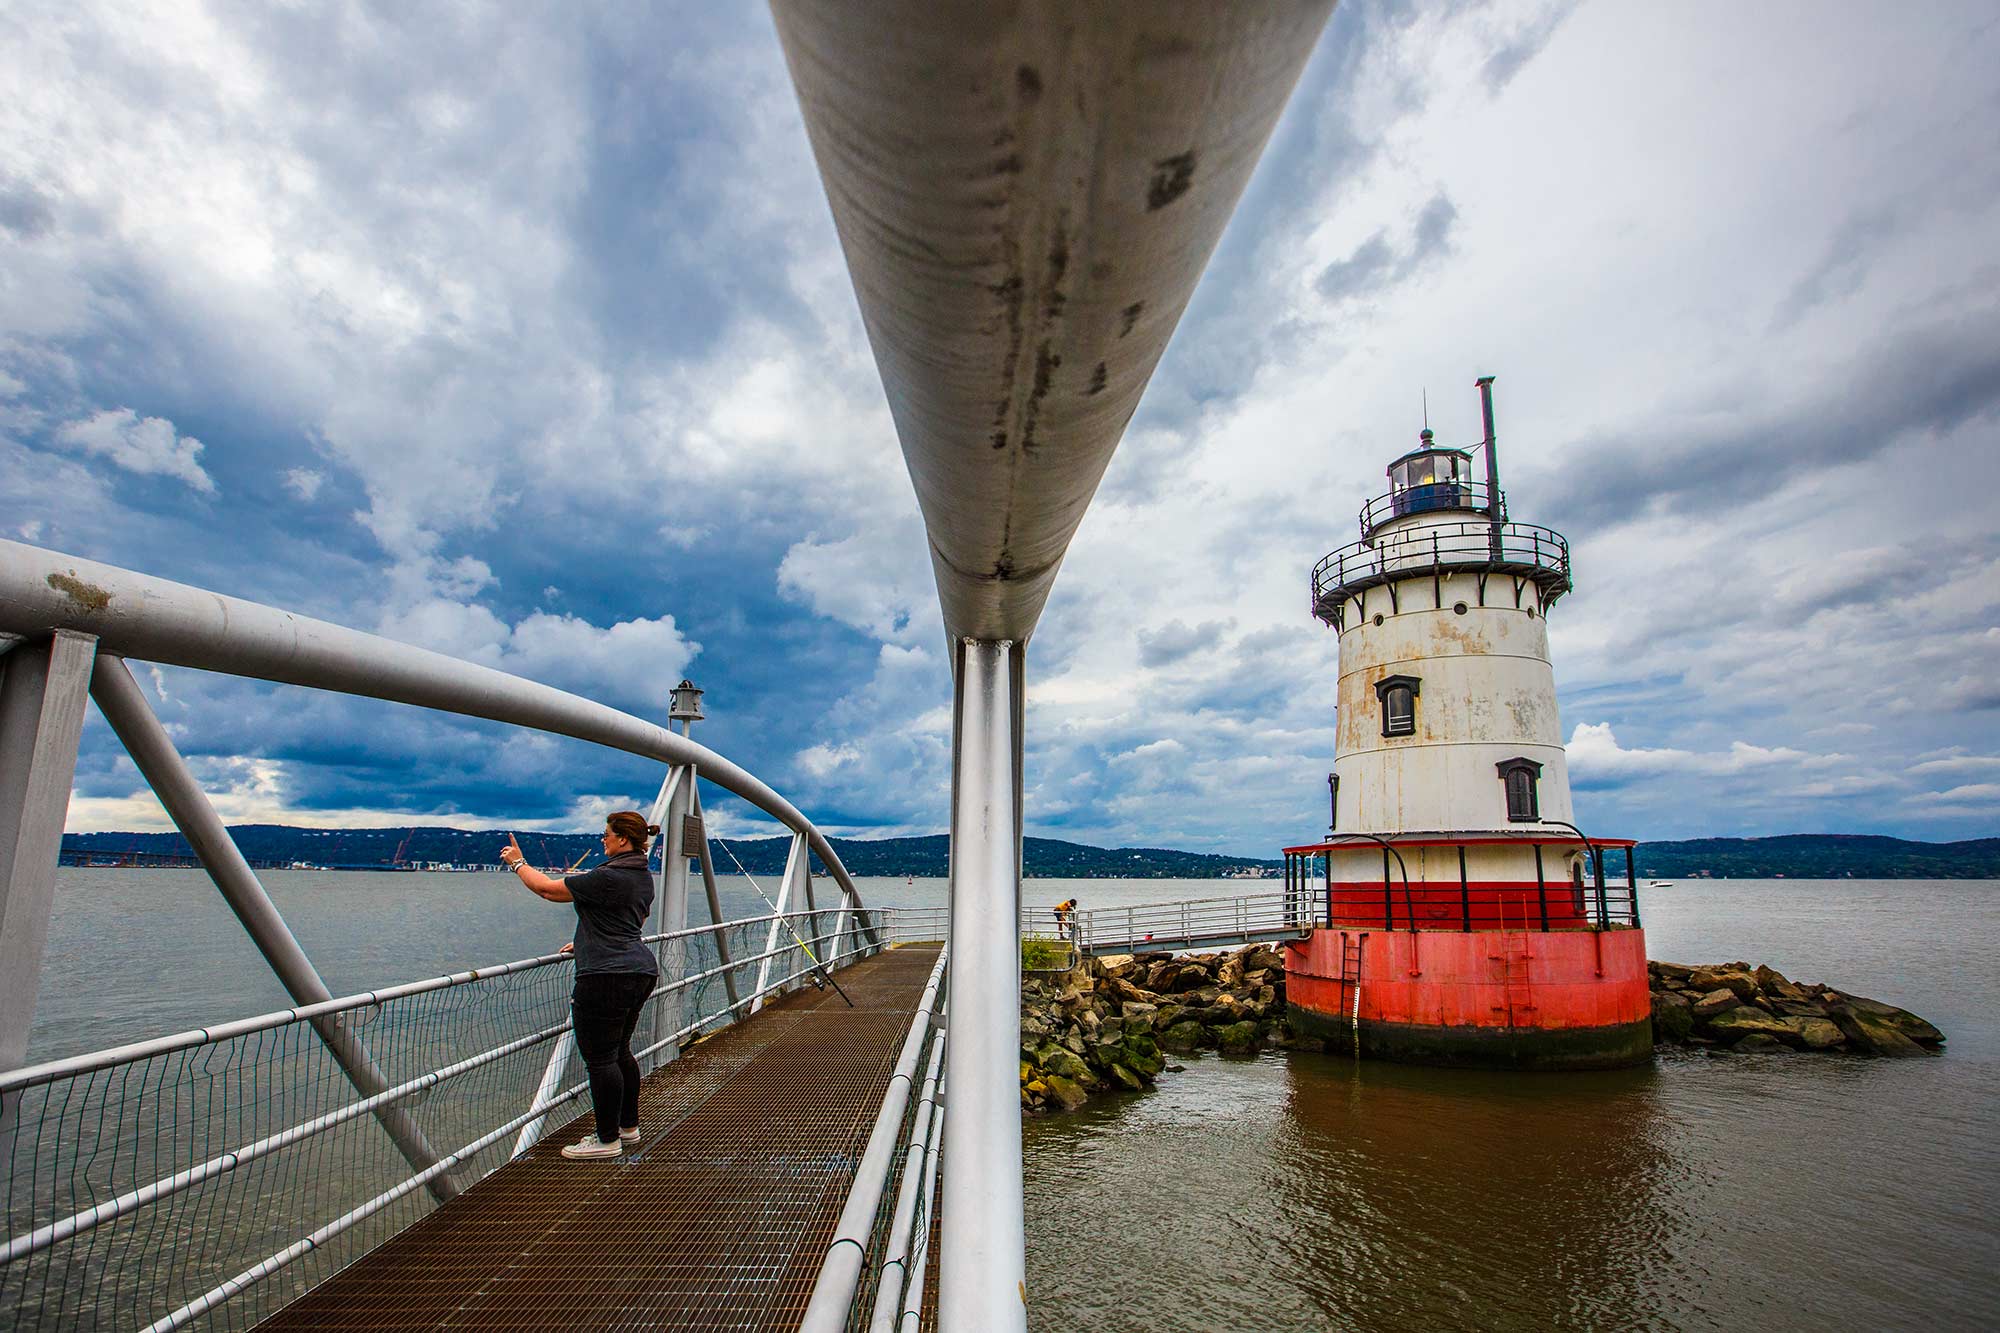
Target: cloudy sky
pixel 523 334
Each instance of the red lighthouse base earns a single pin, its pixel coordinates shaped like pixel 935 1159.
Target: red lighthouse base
pixel 1573 999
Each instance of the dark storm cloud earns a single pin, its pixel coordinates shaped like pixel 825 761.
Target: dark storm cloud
pixel 1175 640
pixel 24 210
pixel 1929 380
pixel 1377 265
pixel 1516 55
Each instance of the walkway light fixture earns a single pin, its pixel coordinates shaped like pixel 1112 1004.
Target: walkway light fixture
pixel 686 707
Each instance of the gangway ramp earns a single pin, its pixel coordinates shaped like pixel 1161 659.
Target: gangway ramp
pixel 718 1220
pixel 1194 923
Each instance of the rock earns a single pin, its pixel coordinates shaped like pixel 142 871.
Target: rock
pixel 1757 1042
pixel 1263 956
pixel 1673 1018
pixel 1871 1032
pixel 1143 1054
pixel 1916 1029
pixel 1815 1033
pixel 1182 1036
pixel 1166 1016
pixel 1733 1025
pixel 1036 1087
pixel 1734 976
pixel 1138 1011
pixel 1670 971
pixel 1237 1038
pixel 1772 982
pixel 1033 1025
pixel 1115 964
pixel 1128 1078
pixel 1066 1092
pixel 1714 1002
pixel 1073 1039
pixel 1067 1064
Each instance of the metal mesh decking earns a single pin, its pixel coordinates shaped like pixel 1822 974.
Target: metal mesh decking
pixel 718 1219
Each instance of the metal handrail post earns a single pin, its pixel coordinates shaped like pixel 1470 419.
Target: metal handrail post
pixel 672 953
pixel 777 922
pixel 982 1270
pixel 714 897
pixel 42 691
pixel 126 709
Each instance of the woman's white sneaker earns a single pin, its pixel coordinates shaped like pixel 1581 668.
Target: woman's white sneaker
pixel 590 1146
pixel 629 1135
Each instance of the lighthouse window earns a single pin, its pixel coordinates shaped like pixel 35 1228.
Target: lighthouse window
pixel 1399 704
pixel 1521 778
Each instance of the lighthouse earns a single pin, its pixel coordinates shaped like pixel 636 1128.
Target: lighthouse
pixel 1459 915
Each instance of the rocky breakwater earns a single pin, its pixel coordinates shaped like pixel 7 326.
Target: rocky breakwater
pixel 1738 1007
pixel 1107 1023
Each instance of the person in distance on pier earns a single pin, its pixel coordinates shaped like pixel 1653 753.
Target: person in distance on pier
pixel 615 973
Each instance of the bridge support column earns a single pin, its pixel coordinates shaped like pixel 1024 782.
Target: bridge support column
pixel 42 690
pixel 983 1267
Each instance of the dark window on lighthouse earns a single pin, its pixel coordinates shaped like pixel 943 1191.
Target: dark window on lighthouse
pixel 1399 704
pixel 1521 777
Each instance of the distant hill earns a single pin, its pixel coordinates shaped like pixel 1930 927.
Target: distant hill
pixel 381 848
pixel 1820 856
pixel 1794 856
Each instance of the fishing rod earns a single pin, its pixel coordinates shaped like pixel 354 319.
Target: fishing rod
pixel 819 968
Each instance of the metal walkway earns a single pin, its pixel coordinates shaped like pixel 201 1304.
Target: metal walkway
pixel 718 1220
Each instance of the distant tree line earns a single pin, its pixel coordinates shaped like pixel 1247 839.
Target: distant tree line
pixel 1794 856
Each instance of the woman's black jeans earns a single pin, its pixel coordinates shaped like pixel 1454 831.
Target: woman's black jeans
pixel 605 1009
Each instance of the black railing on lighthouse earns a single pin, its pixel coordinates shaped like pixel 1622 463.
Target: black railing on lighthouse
pixel 1465 907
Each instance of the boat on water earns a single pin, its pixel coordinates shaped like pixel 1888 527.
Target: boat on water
pixel 1659 884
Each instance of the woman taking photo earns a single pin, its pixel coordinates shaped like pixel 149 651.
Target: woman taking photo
pixel 614 972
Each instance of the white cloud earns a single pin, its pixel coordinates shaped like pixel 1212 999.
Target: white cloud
pixel 304 482
pixel 822 759
pixel 146 445
pixel 1594 753
pixel 632 661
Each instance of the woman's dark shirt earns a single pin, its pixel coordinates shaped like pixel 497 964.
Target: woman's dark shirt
pixel 611 903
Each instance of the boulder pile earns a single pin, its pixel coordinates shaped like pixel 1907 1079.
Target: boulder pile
pixel 1105 1023
pixel 1738 1007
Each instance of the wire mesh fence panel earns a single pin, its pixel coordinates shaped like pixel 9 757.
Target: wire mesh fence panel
pixel 135 1186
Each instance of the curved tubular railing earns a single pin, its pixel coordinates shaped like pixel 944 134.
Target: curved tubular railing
pixel 94 1142
pixel 157 620
pixel 1524 550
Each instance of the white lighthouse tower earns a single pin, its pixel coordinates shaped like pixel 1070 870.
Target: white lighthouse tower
pixel 1473 920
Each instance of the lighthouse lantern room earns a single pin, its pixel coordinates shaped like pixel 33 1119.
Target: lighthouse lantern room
pixel 1460 914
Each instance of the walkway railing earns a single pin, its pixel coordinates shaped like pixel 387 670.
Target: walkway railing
pixel 1192 924
pixel 220 1172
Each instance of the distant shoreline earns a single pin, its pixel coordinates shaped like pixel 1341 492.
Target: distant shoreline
pixel 1787 856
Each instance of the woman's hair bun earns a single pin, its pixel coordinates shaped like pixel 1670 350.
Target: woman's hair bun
pixel 652 830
